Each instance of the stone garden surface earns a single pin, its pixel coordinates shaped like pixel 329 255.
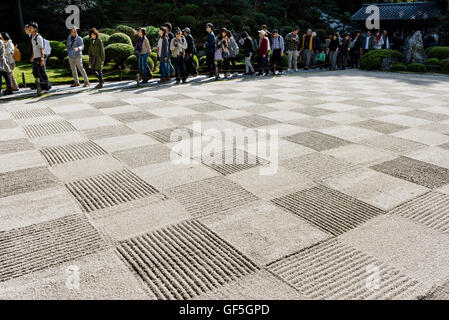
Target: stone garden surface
pixel 358 208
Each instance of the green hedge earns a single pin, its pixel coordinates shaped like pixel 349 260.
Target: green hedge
pixel 373 59
pixel 132 64
pixel 129 31
pixel 398 67
pixel 416 67
pixel 54 62
pixel 432 63
pixel 438 52
pixel 203 61
pixel 196 62
pixel 444 65
pixel 108 31
pixel 118 52
pixel 58 49
pixel 120 38
pixel 153 56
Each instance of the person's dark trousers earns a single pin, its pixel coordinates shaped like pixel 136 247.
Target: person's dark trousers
pixel 276 59
pixel 263 65
pixel 224 66
pixel 40 73
pixel 190 65
pixel 180 68
pixel 210 60
pixel 170 64
pixel 99 74
pixel 4 74
pixel 232 64
pixel 344 61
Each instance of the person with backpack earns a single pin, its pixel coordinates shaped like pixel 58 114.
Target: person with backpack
pixel 190 53
pixel 142 51
pixel 96 56
pixel 292 43
pixel 222 53
pixel 277 47
pixel 177 47
pixel 12 53
pixel 233 51
pixel 75 47
pixel 249 51
pixel 38 57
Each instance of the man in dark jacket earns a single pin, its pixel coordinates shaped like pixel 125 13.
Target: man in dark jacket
pixel 170 35
pixel 368 42
pixel 210 49
pixel 190 52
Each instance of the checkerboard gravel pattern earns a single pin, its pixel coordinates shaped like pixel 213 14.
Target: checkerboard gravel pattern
pixel 88 180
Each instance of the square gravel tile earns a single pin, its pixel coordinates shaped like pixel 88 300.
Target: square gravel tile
pixel 254 121
pixel 379 126
pixel 393 144
pixel 133 116
pixel 316 140
pixel 17 145
pixel 419 172
pixel 144 155
pixel 26 180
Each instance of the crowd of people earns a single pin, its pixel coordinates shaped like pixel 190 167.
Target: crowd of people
pixel 176 49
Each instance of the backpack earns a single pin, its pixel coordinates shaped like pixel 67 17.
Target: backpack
pixel 255 45
pixel 47 48
pixel 17 55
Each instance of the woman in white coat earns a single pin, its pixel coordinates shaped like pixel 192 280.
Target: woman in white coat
pixel 9 55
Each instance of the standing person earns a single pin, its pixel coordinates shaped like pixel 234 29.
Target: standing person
pixel 170 35
pixel 5 70
pixel 355 46
pixel 308 47
pixel 262 53
pixel 278 51
pixel 190 52
pixel 247 44
pixel 210 49
pixel 332 51
pixel 75 47
pixel 96 56
pixel 378 41
pixel 397 43
pixel 386 40
pixel 315 47
pixel 38 58
pixel 162 54
pixel 10 50
pixel 233 51
pixel 177 47
pixel 222 53
pixel 344 51
pixel 264 27
pixel 368 42
pixel 142 52
pixel 292 41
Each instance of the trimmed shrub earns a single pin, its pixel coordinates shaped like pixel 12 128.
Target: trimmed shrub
pixel 129 31
pixel 58 49
pixel 444 65
pixel 373 59
pixel 152 34
pixel 196 62
pixel 54 62
pixel 186 21
pixel 438 52
pixel 432 63
pixel 120 38
pixel 416 67
pixel 108 31
pixel 398 67
pixel 118 52
pixel 153 56
pixel 132 64
pixel 202 61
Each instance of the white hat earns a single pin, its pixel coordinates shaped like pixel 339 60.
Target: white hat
pixel 262 32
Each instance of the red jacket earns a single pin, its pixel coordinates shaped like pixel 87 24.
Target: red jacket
pixel 263 47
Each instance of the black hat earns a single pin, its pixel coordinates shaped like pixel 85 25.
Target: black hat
pixel 274 31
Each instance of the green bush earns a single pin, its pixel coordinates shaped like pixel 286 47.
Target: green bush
pixel 398 67
pixel 132 63
pixel 153 56
pixel 373 59
pixel 416 67
pixel 58 49
pixel 432 63
pixel 120 38
pixel 186 21
pixel 66 64
pixel 438 52
pixel 129 31
pixel 118 52
pixel 54 62
pixel 196 62
pixel 444 65
pixel 152 34
pixel 260 18
pixel 108 31
pixel 104 37
pixel 203 61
